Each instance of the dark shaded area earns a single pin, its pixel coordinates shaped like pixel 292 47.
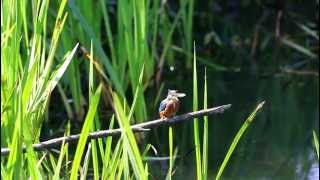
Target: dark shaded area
pixel 278 144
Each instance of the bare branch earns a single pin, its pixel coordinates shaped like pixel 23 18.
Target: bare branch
pixel 142 127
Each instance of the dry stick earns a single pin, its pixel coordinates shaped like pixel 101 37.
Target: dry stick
pixel 136 128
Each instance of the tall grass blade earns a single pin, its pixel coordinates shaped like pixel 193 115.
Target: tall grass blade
pixel 100 52
pixel 84 132
pixel 205 131
pixel 236 139
pixel 195 121
pixel 14 163
pixel 62 154
pixel 170 152
pixel 187 19
pixel 93 142
pixel 115 160
pixel 316 142
pixel 85 167
pixel 57 75
pixel 130 144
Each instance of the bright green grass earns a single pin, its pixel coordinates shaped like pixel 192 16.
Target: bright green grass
pixel 236 139
pixel 170 152
pixel 84 132
pixel 195 121
pixel 187 19
pixel 205 132
pixel 316 143
pixel 28 77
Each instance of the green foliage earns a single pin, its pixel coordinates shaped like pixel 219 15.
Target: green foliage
pixel 84 132
pixel 131 45
pixel 195 121
pixel 28 78
pixel 316 143
pixel 205 131
pixel 238 136
pixel 170 153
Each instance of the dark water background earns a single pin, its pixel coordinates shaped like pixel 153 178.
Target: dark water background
pixel 277 145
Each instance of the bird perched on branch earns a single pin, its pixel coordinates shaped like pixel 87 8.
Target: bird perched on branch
pixel 170 105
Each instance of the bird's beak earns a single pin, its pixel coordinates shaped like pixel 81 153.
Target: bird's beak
pixel 180 94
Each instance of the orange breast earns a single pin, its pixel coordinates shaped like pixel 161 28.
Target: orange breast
pixel 170 110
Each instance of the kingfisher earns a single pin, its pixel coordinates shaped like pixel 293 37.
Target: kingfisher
pixel 170 105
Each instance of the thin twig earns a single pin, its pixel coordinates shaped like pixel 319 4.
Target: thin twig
pixel 141 127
